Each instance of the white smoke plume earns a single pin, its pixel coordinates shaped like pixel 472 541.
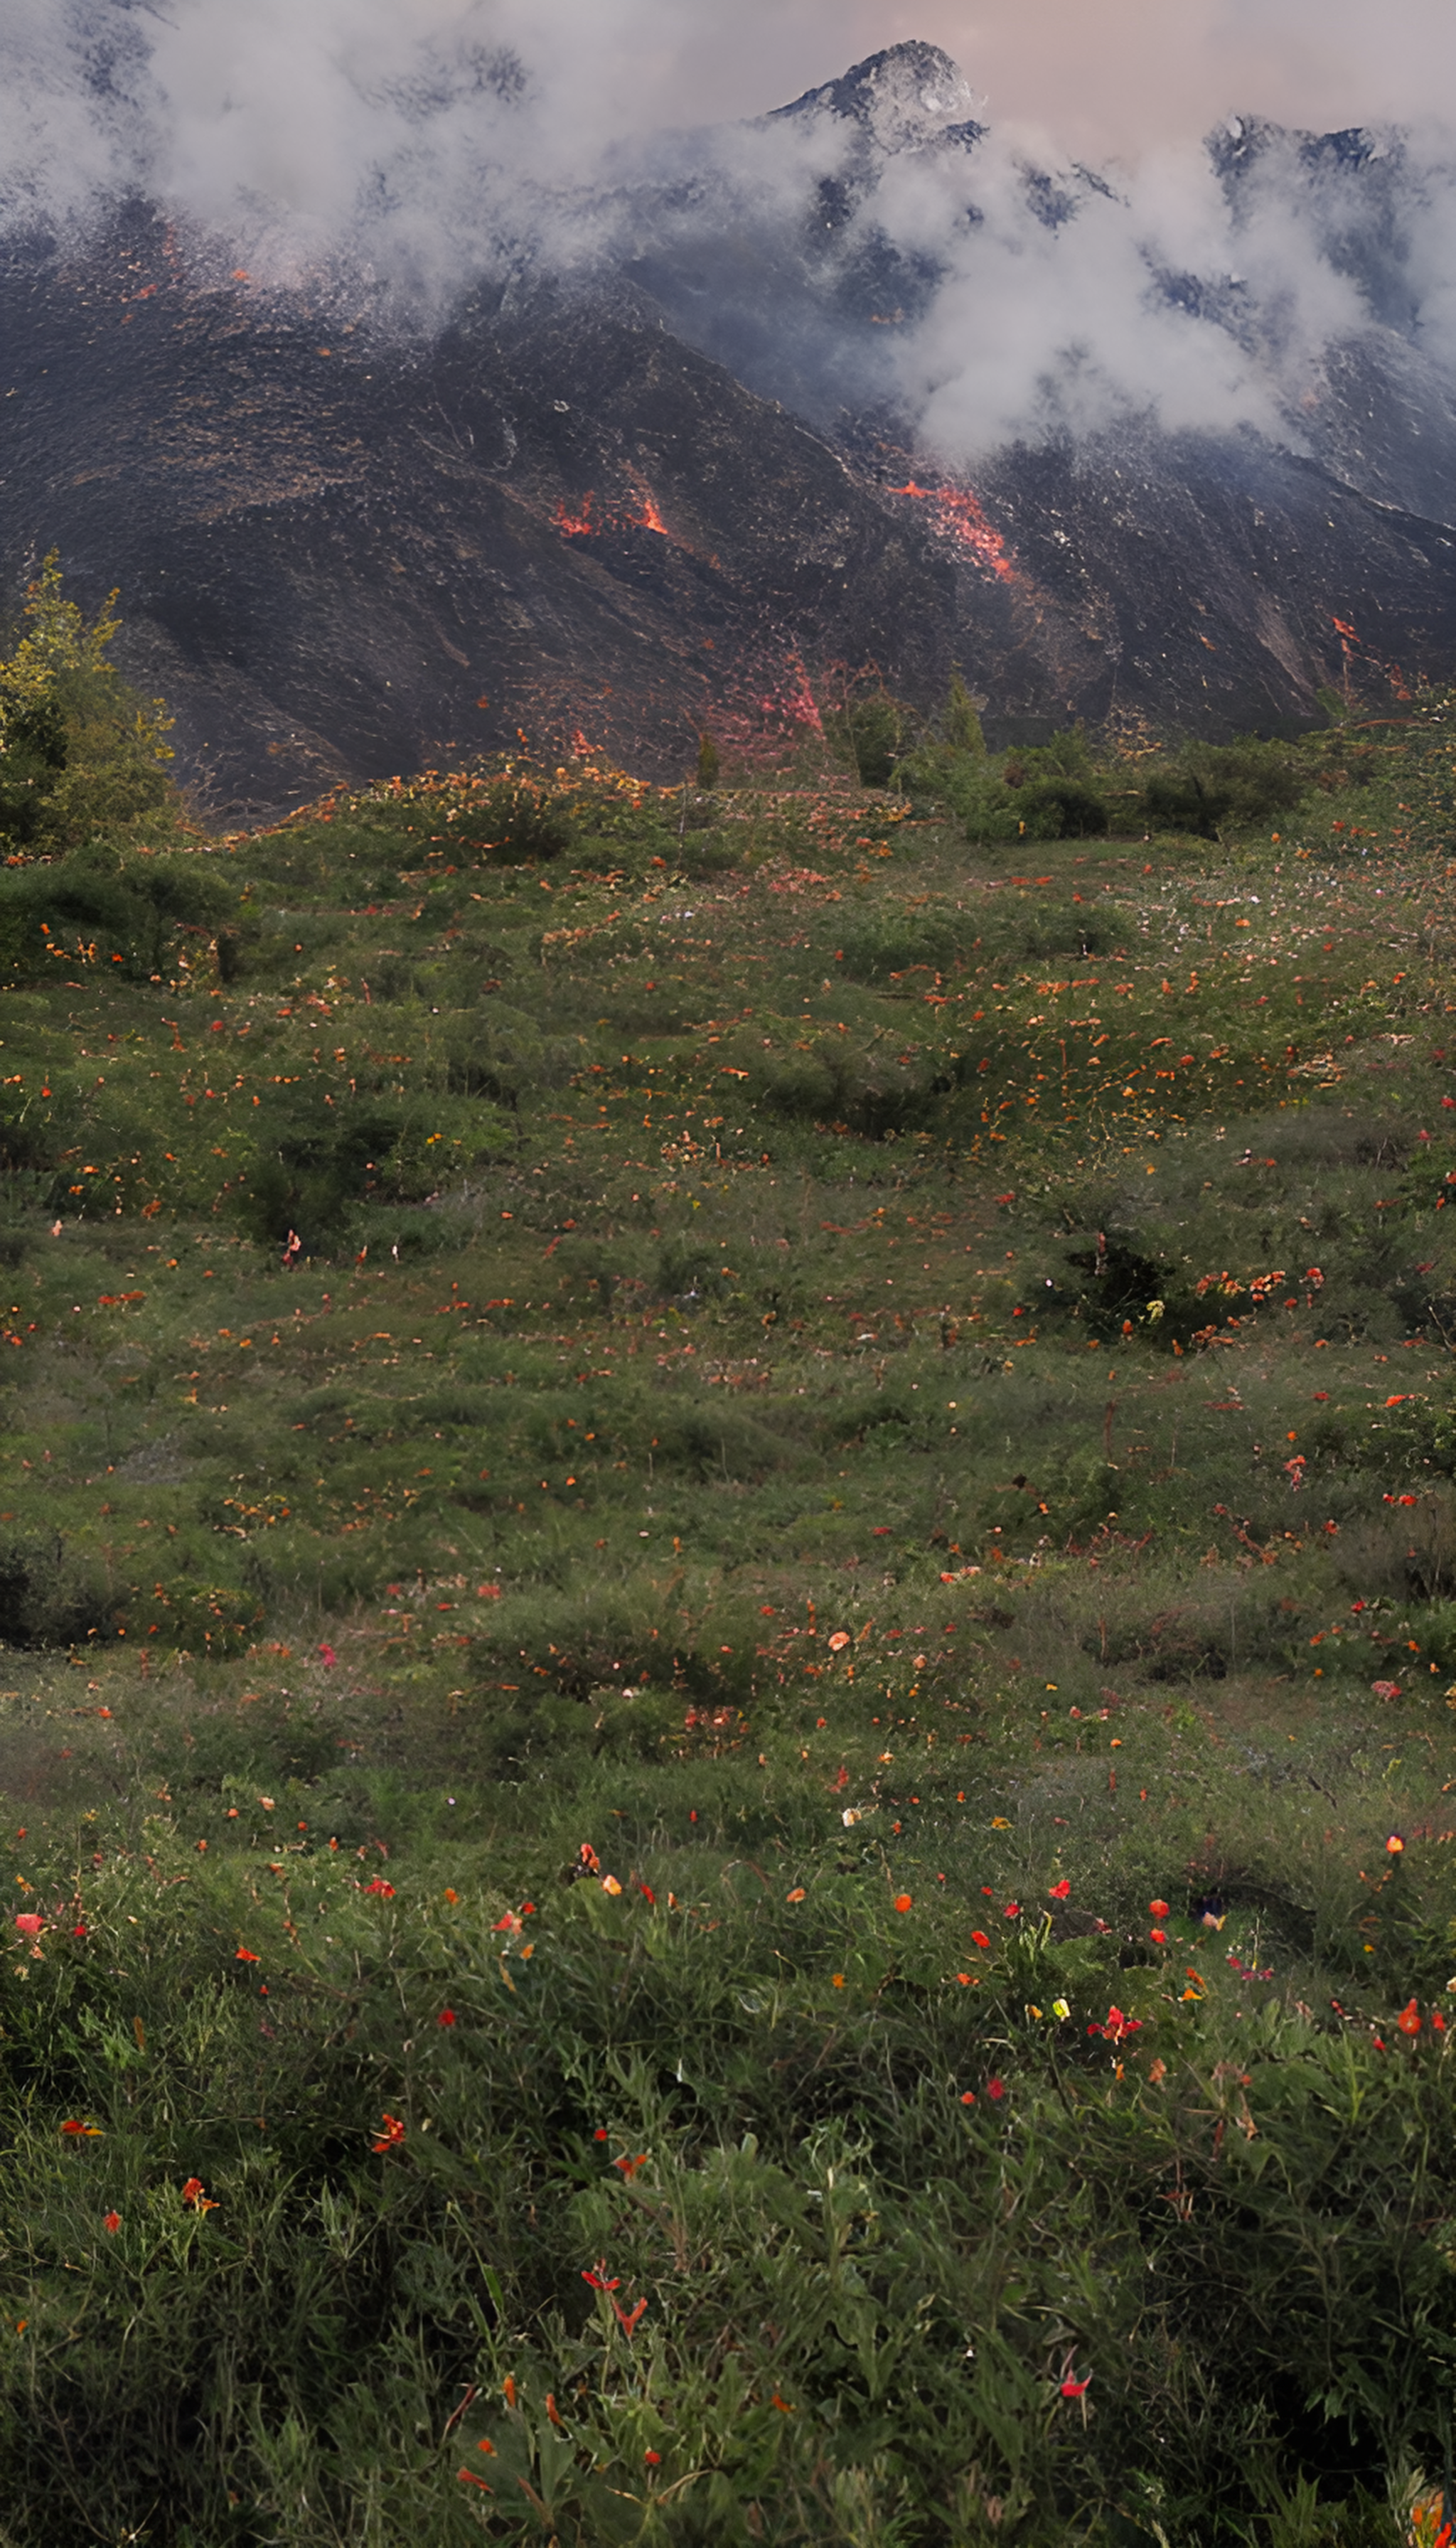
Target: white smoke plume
pixel 402 150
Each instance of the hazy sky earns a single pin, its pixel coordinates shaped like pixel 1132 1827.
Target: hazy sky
pixel 1102 75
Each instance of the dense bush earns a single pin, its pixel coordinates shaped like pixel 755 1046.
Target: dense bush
pixel 1210 784
pixel 80 754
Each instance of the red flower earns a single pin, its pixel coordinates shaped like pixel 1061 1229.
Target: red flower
pixel 1159 1936
pixel 978 1937
pixel 446 2017
pixel 1059 1892
pixel 1408 2020
pixel 377 1885
pixel 967 2096
pixel 597 2280
pixel 1160 1910
pixel 112 2224
pixel 653 2459
pixel 997 2088
pixel 1117 2026
pixel 76 2131
pixel 392 2135
pixel 903 1901
pixel 1075 2388
pixel 1013 1911
pixel 29 1922
pixel 245 1956
pixel 194 2197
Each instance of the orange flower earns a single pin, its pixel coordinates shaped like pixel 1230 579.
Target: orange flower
pixel 796 1895
pixel 838 1642
pixel 112 2224
pixel 904 1901
pixel 245 1956
pixel 1408 2020
pixel 392 2135
pixel 74 2132
pixel 1160 1910
pixel 194 2197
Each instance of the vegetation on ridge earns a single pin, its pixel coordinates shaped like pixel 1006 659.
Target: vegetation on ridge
pixel 728 1570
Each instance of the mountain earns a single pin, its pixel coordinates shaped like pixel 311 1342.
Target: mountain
pixel 670 478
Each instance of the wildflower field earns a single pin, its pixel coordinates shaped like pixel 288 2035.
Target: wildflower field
pixel 728 1592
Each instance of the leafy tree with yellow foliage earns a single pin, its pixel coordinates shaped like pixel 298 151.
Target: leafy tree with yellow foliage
pixel 80 753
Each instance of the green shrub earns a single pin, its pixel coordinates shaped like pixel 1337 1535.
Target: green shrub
pixel 1209 784
pixel 79 753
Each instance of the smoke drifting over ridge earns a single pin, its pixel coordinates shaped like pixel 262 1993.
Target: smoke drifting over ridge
pixel 886 242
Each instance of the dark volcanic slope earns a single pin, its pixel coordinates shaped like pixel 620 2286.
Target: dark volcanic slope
pixel 337 561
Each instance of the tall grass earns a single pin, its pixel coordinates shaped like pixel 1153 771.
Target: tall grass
pixel 870 1436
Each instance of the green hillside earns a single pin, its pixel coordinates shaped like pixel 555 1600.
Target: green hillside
pixel 728 1579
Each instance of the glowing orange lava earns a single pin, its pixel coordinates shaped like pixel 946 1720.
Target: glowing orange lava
pixel 591 520
pixel 577 526
pixel 958 515
pixel 1350 643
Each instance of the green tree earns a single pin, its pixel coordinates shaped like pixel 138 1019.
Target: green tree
pixel 80 753
pixel 960 726
pixel 707 761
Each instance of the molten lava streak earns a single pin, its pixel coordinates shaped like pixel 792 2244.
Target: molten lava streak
pixel 591 520
pixel 577 526
pixel 956 514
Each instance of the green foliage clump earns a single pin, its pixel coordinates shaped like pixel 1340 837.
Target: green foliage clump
pixel 97 905
pixel 80 754
pixel 870 734
pixel 1208 785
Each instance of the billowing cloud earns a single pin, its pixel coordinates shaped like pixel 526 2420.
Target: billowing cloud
pixel 1081 261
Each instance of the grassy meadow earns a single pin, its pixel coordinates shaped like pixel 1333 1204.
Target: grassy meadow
pixel 728 1595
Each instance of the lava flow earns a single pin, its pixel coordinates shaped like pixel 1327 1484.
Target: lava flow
pixel 958 515
pixel 577 526
pixel 590 521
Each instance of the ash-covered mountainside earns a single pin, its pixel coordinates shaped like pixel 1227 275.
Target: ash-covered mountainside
pixel 764 420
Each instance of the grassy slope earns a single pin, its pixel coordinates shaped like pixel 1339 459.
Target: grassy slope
pixel 773 1392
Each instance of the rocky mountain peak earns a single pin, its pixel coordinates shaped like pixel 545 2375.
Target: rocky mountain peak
pixel 910 94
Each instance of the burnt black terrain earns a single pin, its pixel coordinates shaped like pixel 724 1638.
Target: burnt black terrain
pixel 617 512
